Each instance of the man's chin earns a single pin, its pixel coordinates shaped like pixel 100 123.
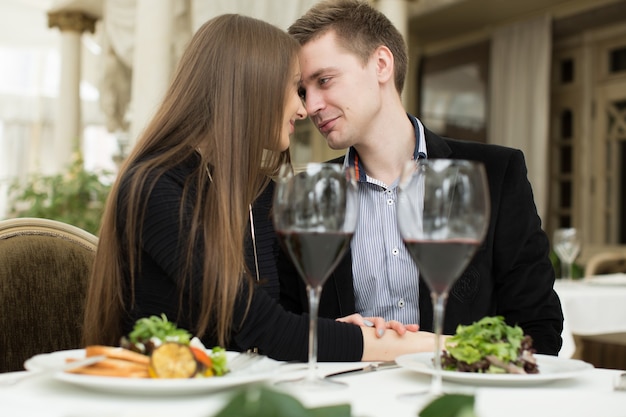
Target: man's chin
pixel 331 142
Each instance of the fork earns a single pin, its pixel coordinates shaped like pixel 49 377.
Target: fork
pixel 14 379
pixel 244 361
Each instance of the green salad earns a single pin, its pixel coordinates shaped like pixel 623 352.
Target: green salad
pixel 489 346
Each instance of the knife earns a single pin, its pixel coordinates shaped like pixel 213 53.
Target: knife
pixel 52 370
pixel 378 366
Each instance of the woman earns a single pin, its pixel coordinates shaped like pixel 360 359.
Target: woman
pixel 177 222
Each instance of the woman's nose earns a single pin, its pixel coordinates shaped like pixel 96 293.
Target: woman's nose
pixel 301 113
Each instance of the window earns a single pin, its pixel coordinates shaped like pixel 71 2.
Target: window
pixel 453 87
pixel 567 71
pixel 617 60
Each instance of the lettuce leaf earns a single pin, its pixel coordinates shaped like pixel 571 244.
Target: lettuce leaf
pixel 488 336
pixel 160 328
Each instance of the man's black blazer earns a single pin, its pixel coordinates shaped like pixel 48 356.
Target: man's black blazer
pixel 511 274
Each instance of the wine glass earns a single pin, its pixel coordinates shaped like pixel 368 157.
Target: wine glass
pixel 443 215
pixel 566 242
pixel 315 214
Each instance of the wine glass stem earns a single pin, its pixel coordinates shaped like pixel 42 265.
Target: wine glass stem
pixel 439 303
pixel 314 299
pixel 566 270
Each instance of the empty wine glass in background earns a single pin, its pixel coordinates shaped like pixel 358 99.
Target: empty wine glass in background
pixel 567 244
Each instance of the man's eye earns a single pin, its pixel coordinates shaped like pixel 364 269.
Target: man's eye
pixel 323 81
pixel 302 93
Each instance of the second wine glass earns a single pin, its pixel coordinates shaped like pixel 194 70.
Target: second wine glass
pixel 443 216
pixel 315 214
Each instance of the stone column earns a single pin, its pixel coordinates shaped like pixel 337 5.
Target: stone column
pixel 397 11
pixel 68 125
pixel 152 61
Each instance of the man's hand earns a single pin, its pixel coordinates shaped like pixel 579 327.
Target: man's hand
pixel 379 324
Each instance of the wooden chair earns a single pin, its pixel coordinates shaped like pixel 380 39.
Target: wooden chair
pixel 604 350
pixel 44 271
pixel 605 263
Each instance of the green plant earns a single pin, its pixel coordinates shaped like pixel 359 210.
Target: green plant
pixel 75 196
pixel 261 401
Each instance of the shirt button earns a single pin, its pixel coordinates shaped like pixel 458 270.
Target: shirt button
pixel 395 251
pixel 401 303
pixel 390 202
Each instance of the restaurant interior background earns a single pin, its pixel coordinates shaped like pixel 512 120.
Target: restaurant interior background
pixel 545 76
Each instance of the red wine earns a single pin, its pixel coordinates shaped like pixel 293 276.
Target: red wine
pixel 315 254
pixel 441 262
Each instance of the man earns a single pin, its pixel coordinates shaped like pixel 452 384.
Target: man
pixel 353 64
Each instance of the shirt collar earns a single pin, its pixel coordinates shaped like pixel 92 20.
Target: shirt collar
pixel 352 156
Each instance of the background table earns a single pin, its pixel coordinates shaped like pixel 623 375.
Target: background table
pixel 591 306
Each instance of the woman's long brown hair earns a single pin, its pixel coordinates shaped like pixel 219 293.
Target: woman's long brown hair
pixel 227 99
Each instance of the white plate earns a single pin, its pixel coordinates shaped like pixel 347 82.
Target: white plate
pixel 550 368
pixel 260 371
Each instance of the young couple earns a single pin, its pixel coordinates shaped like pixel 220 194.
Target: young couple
pixel 177 227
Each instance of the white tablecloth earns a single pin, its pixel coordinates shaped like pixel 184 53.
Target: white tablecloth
pixel 372 394
pixel 594 305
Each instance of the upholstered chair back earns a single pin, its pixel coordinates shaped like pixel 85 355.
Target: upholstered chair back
pixel 44 271
pixel 606 263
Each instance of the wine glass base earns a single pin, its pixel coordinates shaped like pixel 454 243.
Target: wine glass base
pixel 421 395
pixel 311 384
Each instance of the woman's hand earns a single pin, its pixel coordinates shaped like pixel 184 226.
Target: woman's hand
pixel 379 324
pixel 392 345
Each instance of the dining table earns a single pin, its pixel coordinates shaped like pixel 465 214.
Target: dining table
pixel 391 391
pixel 591 306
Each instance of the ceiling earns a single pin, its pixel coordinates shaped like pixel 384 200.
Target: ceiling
pixel 462 17
pixel 431 21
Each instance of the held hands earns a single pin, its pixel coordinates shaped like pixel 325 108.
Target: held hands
pixel 379 345
pixel 379 324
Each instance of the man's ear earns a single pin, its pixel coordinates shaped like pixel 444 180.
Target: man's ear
pixel 384 63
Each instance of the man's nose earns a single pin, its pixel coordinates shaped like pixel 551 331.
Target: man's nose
pixel 313 102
